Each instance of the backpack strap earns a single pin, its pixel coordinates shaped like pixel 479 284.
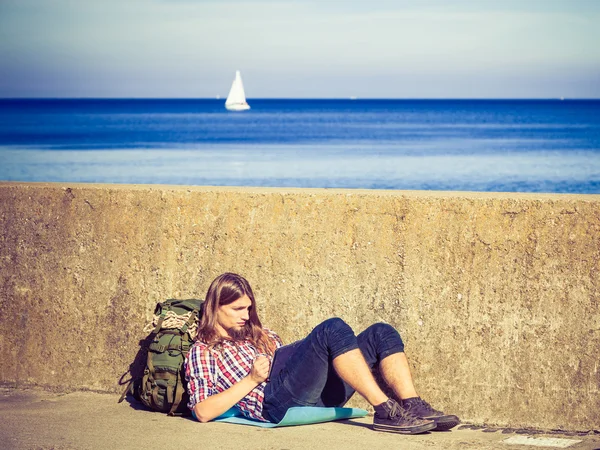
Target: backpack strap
pixel 178 397
pixel 190 322
pixel 126 391
pixel 179 390
pixel 161 319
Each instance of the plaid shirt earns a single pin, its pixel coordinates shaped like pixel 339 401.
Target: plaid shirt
pixel 210 371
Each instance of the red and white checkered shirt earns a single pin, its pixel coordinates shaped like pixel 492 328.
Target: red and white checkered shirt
pixel 211 371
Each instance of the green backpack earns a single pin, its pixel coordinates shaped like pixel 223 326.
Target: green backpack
pixel 162 385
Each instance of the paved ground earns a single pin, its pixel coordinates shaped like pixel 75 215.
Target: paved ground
pixel 36 419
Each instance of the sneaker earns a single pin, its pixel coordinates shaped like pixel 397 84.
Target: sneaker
pixel 393 418
pixel 423 410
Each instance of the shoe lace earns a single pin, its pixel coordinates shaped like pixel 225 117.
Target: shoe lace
pixel 421 405
pixel 399 411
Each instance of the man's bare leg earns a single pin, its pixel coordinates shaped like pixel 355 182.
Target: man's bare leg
pixel 396 373
pixel 389 416
pixel 353 369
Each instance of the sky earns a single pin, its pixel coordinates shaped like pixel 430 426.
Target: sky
pixel 301 48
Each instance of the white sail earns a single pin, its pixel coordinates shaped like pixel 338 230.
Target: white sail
pixel 236 100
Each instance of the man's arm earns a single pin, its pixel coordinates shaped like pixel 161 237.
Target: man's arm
pixel 215 405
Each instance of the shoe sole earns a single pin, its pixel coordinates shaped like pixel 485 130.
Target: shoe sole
pixel 412 430
pixel 446 423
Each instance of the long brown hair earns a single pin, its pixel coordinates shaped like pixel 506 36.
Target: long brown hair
pixel 226 289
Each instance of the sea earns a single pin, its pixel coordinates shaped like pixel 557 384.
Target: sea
pixel 459 145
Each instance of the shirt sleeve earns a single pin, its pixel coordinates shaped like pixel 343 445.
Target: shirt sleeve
pixel 200 373
pixel 274 337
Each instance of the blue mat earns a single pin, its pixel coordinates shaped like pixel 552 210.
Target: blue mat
pixel 299 415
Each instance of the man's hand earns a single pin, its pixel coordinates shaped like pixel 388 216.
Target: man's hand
pixel 260 369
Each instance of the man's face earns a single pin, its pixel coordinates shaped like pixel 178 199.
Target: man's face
pixel 232 318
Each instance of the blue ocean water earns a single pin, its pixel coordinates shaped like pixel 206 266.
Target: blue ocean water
pixel 468 145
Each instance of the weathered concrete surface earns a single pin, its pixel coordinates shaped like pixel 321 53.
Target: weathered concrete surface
pixel 32 419
pixel 496 295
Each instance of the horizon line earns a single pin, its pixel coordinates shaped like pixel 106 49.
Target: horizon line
pixel 350 98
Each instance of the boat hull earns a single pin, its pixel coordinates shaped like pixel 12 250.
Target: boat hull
pixel 238 107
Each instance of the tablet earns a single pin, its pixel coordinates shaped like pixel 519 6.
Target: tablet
pixel 280 357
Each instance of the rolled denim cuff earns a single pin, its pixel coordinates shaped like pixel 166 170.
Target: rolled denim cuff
pixel 344 349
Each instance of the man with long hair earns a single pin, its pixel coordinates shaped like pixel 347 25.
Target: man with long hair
pixel 228 366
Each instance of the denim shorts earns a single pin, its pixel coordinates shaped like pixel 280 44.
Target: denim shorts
pixel 308 377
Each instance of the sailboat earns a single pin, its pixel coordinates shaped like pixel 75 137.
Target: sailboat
pixel 236 100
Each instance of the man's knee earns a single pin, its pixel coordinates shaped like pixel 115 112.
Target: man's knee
pixel 334 330
pixel 382 328
pixel 384 336
pixel 336 336
pixel 334 325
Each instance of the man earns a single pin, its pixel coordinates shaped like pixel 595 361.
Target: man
pixel 228 366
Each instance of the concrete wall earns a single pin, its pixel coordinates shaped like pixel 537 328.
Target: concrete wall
pixel 496 295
